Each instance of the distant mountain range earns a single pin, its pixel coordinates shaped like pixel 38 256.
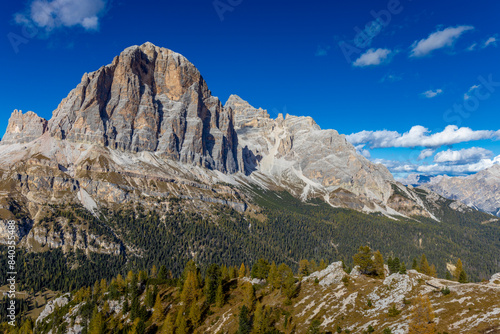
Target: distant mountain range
pixel 480 190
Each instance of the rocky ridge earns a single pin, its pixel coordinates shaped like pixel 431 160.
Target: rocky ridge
pixel 480 190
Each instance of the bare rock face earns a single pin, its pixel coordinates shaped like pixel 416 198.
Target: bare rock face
pixel 481 190
pixel 24 128
pixel 296 151
pixel 150 99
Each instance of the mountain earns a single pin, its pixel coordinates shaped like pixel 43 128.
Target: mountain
pixel 141 165
pixel 151 107
pixel 480 190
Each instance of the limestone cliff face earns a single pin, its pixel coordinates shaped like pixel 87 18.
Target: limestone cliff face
pixel 150 99
pixel 24 128
pixel 307 160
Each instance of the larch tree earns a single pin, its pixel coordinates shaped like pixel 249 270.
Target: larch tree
pixel 378 262
pixel 422 317
pixel 242 272
pixel 195 315
pixel 458 269
pixel 424 265
pixel 157 310
pixel 168 326
pixel 219 296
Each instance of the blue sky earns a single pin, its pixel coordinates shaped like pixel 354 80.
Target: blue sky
pixel 415 84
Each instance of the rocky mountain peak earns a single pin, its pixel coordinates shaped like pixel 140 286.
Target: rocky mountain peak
pixel 23 128
pixel 149 99
pixel 245 114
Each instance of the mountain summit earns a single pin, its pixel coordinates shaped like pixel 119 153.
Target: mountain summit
pixel 150 114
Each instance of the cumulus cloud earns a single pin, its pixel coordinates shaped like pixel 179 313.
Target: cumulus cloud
pixel 364 152
pixel 419 136
pixel 404 167
pixel 432 93
pixel 372 57
pixel 54 14
pixel 464 156
pixel 491 41
pixel 428 152
pixel 437 40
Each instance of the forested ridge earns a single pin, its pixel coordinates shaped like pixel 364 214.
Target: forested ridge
pixel 291 231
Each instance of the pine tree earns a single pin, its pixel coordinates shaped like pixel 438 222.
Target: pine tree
pixel 414 265
pixel 162 274
pixel 396 265
pixel 260 269
pixel 158 310
pixel 402 269
pixel 224 271
pixel 134 307
pixel 462 278
pixel 363 259
pixel 219 296
pixel 289 286
pixel 272 277
pixel 242 271
pixel 244 321
pixel 126 306
pixel 422 316
pixel 212 281
pixel 314 328
pixel 149 301
pixel 390 264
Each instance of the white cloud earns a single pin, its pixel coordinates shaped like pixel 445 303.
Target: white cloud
pixel 50 15
pixel 390 77
pixel 437 40
pixel 432 93
pixel 364 152
pixel 419 136
pixel 472 47
pixel 492 40
pixel 467 95
pixel 404 167
pixel 464 156
pixel 372 57
pixel 428 152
